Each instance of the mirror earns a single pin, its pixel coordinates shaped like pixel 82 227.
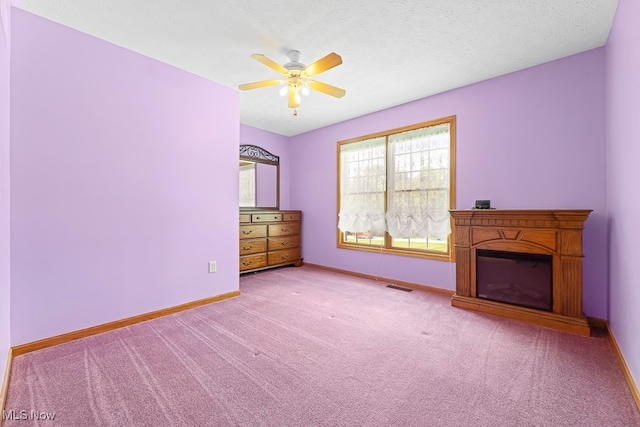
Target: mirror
pixel 259 178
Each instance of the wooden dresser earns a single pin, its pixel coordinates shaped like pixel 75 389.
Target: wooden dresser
pixel 269 238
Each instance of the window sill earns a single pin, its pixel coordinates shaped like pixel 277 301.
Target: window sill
pixel 439 256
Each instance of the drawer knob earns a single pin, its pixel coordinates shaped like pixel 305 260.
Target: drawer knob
pixel 246 248
pixel 246 232
pixel 275 217
pixel 257 217
pixel 285 243
pixel 284 256
pixel 245 263
pixel 285 229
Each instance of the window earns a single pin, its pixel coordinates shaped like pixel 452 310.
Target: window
pixel 247 184
pixel 396 189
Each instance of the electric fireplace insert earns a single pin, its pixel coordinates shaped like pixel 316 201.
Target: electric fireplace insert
pixel 522 279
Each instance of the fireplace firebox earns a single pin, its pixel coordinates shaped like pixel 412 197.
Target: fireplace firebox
pixel 523 264
pixel 514 278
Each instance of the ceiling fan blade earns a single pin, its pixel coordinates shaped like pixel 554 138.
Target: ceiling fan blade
pixel 269 63
pixel 323 64
pixel 325 88
pixel 292 99
pixel 257 85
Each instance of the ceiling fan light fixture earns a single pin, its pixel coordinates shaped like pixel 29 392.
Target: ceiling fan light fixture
pixel 297 77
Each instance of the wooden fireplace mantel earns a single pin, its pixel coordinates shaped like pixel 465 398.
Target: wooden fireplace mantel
pixel 554 232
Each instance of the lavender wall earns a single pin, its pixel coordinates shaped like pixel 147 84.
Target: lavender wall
pixel 623 151
pixel 275 144
pixel 5 19
pixel 5 326
pixel 530 139
pixel 124 182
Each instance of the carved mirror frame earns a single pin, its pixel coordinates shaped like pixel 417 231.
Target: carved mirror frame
pixel 256 154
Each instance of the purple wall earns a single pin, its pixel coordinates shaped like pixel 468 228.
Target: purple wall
pixel 530 139
pixel 5 19
pixel 5 326
pixel 623 152
pixel 275 144
pixel 124 182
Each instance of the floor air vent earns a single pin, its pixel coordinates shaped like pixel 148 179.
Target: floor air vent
pixel 400 288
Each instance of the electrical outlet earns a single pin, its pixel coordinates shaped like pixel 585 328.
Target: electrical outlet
pixel 212 266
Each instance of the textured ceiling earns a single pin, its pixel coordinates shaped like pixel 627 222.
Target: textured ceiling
pixel 393 51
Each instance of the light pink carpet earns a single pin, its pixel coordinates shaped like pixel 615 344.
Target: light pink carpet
pixel 305 347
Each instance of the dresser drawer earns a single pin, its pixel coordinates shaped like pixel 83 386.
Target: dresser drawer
pixel 278 243
pixel 266 217
pixel 280 257
pixel 253 261
pixel 245 218
pixel 284 229
pixel 291 216
pixel 253 246
pixel 253 231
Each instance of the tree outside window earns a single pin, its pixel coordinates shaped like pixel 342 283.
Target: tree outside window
pixel 396 189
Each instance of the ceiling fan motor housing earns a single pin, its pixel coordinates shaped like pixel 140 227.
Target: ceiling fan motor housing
pixel 295 64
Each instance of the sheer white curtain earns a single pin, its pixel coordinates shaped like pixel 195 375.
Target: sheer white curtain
pixel 418 183
pixel 363 175
pixel 248 185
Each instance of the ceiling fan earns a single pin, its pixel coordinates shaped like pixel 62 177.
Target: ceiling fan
pixel 298 77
